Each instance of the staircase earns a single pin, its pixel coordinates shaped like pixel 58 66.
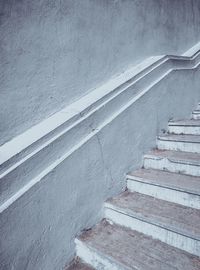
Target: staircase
pixel 155 223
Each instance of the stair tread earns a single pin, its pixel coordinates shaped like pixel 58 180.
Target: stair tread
pixel 175 217
pixel 185 183
pixel 175 156
pixel 185 122
pixel 180 138
pixel 134 250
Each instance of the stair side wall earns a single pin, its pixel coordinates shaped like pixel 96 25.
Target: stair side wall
pixel 38 230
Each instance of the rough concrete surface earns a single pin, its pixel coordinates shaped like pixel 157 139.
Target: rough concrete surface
pixel 185 183
pixel 175 217
pixel 132 250
pixel 107 246
pixel 176 156
pixel 53 52
pixel 45 220
pixel 78 265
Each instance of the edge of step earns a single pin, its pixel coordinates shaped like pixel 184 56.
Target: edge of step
pixel 186 138
pixel 167 180
pixel 188 158
pixel 110 246
pixel 196 111
pixel 95 256
pixel 185 123
pixel 133 205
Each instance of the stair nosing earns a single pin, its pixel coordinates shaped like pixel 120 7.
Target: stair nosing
pixel 156 156
pixel 196 112
pixel 101 254
pixel 147 220
pixel 131 177
pixel 178 140
pixel 178 124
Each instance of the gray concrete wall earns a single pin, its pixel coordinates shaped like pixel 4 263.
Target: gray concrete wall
pixel 38 230
pixel 53 52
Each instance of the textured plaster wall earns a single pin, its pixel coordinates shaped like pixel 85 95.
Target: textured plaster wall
pixel 54 51
pixel 38 230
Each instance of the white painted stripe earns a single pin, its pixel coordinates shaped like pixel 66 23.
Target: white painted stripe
pixel 192 51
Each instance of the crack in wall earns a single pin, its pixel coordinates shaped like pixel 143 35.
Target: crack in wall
pixel 107 170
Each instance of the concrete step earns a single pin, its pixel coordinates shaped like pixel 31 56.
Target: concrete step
pixel 196 114
pixel 79 265
pixel 187 143
pixel 112 247
pixel 171 223
pixel 172 187
pixel 173 161
pixel 190 126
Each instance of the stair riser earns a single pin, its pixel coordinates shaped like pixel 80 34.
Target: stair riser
pixel 184 130
pixel 196 116
pixel 163 193
pixel 167 165
pixel 172 238
pixel 94 258
pixel 178 146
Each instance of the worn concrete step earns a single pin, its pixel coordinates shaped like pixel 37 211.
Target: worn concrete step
pixel 112 247
pixel 173 161
pixel 79 265
pixel 187 143
pixel 196 114
pixel 171 223
pixel 190 126
pixel 173 187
